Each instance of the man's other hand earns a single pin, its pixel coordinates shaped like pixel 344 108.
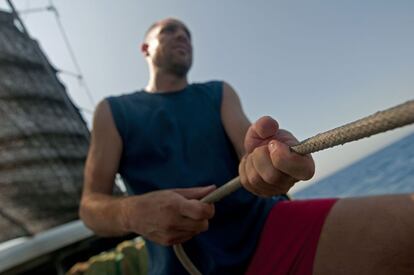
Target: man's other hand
pixel 171 216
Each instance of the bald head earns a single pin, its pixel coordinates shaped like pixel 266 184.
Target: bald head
pixel 170 21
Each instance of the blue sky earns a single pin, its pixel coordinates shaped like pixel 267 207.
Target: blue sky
pixel 312 65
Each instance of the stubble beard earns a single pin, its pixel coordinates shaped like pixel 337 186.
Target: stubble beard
pixel 169 65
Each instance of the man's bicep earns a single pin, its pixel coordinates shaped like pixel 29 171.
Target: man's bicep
pixel 104 152
pixel 234 120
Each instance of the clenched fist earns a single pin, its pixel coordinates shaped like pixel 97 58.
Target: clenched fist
pixel 171 216
pixel 269 167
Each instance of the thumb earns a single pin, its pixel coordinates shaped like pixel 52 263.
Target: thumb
pixel 260 132
pixel 195 192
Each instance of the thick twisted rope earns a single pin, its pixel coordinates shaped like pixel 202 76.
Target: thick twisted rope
pixel 382 121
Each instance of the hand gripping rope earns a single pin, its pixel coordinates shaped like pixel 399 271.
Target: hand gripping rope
pixel 379 122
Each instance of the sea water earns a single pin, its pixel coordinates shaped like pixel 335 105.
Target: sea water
pixel 387 171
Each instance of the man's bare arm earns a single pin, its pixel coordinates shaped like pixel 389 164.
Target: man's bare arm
pixel 234 120
pixel 99 210
pixel 267 166
pixel 166 217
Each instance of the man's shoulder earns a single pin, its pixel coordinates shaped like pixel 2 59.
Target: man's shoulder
pixel 212 88
pixel 127 99
pixel 208 84
pixel 124 95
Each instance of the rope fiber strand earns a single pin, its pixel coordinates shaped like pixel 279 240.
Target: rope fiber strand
pixel 379 122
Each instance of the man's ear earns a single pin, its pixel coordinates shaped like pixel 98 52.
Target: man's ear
pixel 144 49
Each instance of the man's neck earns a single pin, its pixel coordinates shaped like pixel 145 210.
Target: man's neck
pixel 164 83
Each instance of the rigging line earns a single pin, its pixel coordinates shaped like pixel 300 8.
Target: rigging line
pixel 71 52
pixel 52 8
pixel 76 75
pixel 34 10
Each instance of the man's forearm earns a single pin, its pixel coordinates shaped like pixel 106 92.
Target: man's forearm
pixel 104 214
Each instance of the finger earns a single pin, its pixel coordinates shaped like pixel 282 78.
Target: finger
pixel 181 240
pixel 274 181
pixel 196 210
pixel 182 224
pixel 184 238
pixel 251 187
pixel 281 185
pixel 262 163
pixel 176 222
pixel 259 133
pixel 255 182
pixel 190 225
pixel 195 192
pixel 171 238
pixel 285 182
pixel 243 177
pixel 252 176
pixel 265 127
pixel 291 163
pixel 242 172
pixel 286 137
pixel 262 188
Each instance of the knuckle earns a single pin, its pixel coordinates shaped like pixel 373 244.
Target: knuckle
pixel 198 211
pixel 277 158
pixel 250 178
pixel 205 213
pixel 254 178
pixel 263 150
pixel 168 204
pixel 199 214
pixel 257 151
pixel 270 176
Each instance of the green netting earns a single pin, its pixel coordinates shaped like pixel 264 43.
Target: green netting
pixel 128 258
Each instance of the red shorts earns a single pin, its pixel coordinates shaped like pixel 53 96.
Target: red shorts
pixel 290 237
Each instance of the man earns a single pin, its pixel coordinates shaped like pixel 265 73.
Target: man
pixel 175 142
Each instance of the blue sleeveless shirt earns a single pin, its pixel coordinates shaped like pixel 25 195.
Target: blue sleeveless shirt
pixel 177 140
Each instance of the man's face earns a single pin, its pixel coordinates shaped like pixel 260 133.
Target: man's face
pixel 169 47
